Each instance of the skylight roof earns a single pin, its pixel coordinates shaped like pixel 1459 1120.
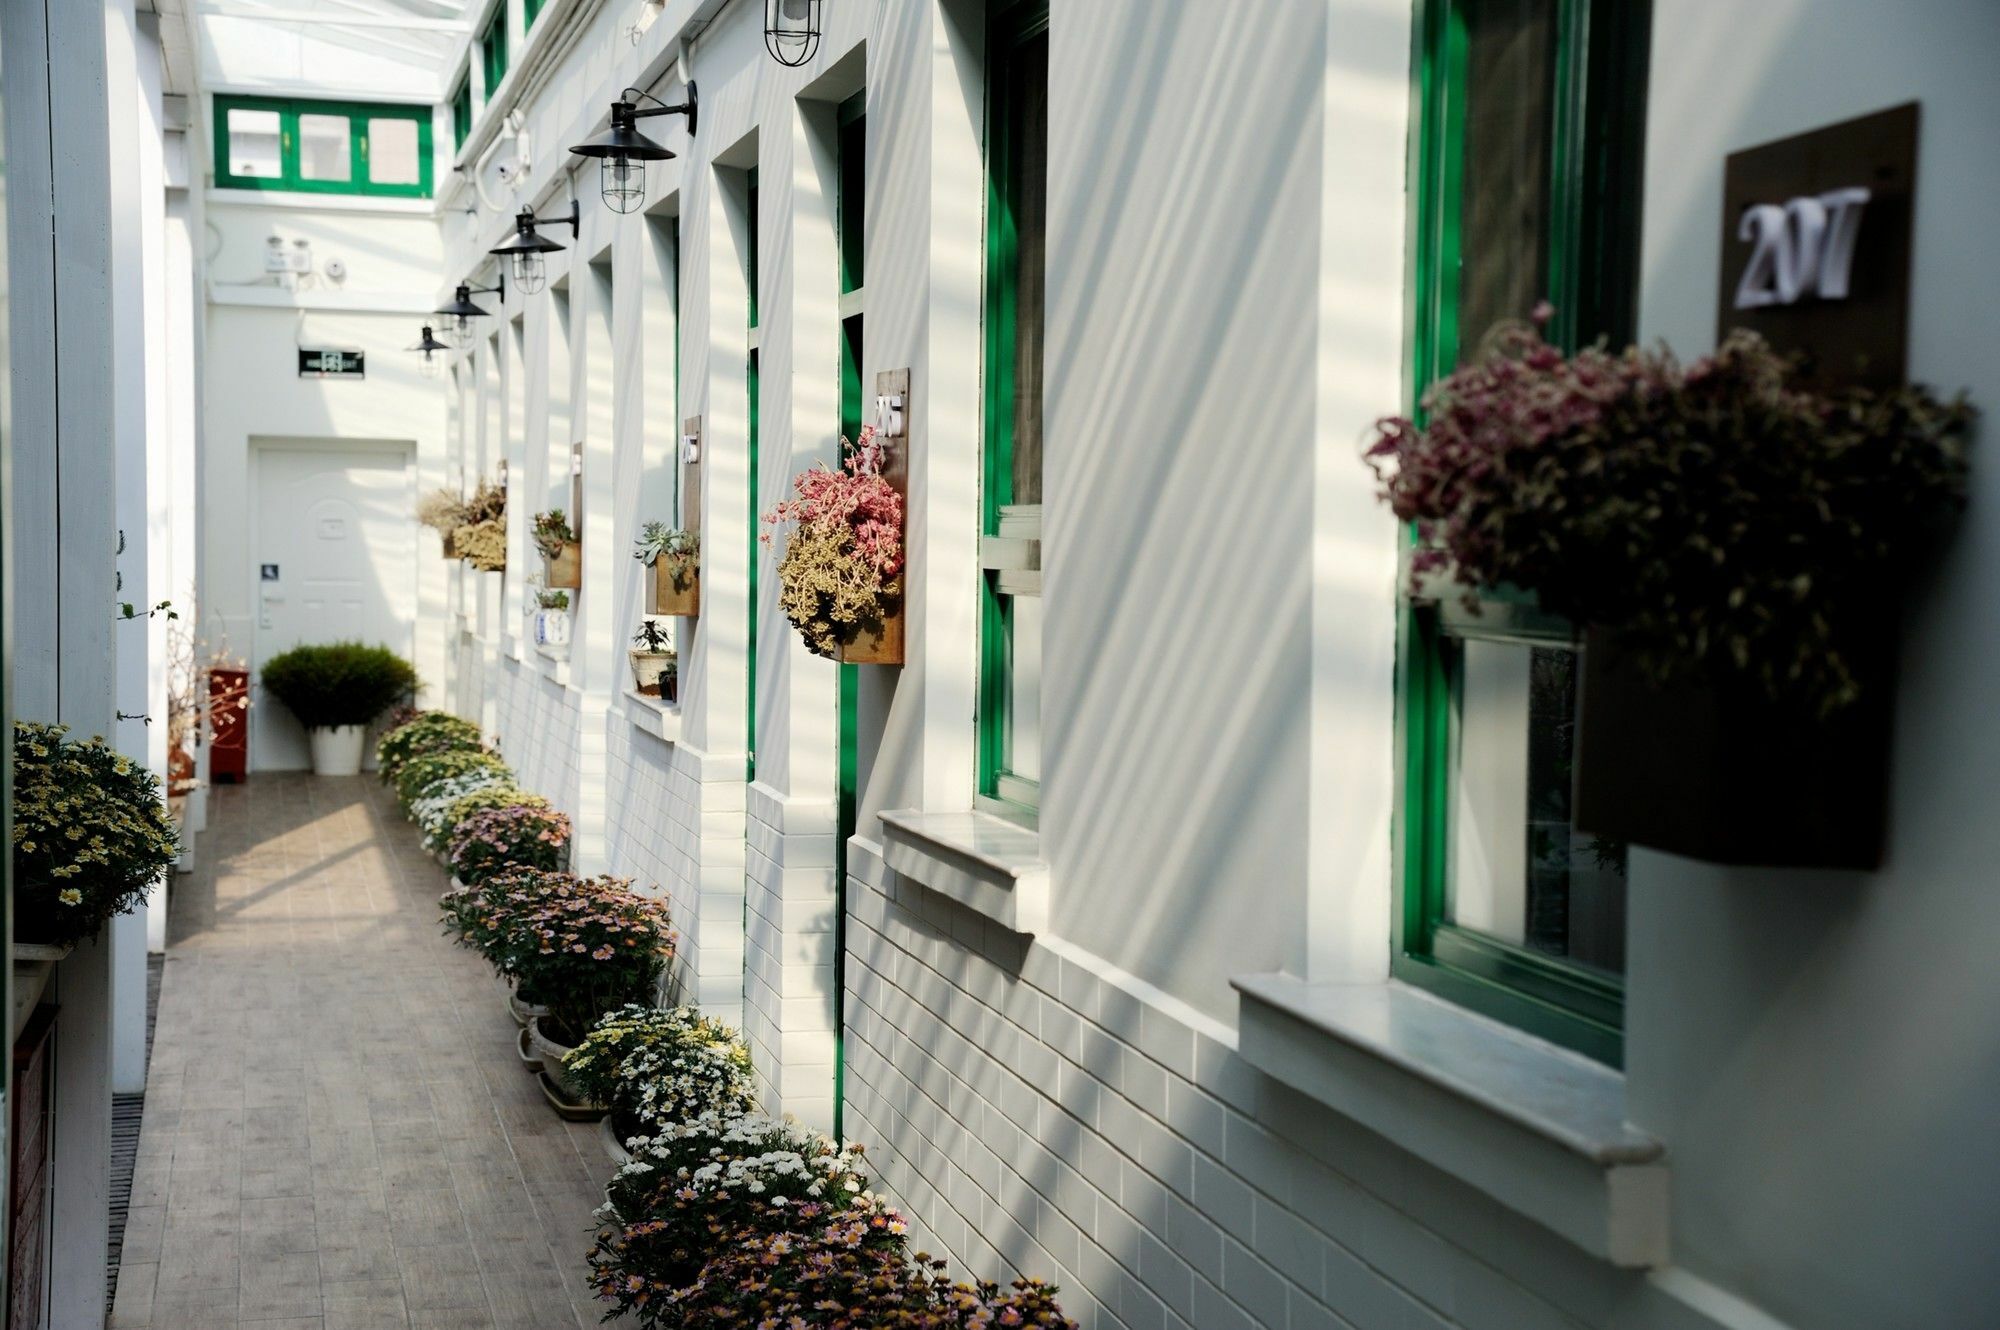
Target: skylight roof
pixel 395 50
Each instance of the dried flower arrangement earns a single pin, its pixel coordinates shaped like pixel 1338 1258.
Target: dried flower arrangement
pixel 1723 517
pixel 483 545
pixel 842 568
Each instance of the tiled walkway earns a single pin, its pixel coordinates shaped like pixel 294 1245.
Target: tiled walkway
pixel 338 1132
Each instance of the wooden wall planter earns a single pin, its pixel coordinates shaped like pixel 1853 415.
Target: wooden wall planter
pixel 1726 775
pixel 882 644
pixel 450 542
pixel 565 571
pixel 682 598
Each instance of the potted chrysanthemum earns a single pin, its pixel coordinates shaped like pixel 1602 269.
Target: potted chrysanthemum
pixel 91 835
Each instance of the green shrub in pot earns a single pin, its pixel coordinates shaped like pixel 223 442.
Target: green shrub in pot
pixel 91 835
pixel 338 689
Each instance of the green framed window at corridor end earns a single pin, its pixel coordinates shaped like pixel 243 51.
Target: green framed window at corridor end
pixel 1010 675
pixel 322 147
pixel 1529 131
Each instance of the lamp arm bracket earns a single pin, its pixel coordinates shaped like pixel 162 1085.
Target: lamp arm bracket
pixel 687 108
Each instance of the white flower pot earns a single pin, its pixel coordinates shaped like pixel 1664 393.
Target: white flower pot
pixel 551 628
pixel 614 1148
pixel 336 749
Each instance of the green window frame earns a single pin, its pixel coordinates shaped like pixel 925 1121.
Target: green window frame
pixel 530 10
pixel 1011 522
pixel 1589 251
pixel 358 115
pixel 493 49
pixel 461 113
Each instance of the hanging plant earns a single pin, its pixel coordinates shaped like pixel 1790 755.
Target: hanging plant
pixel 1724 518
pixel 841 574
pixel 483 545
pixel 91 835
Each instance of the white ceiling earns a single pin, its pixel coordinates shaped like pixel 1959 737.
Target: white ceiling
pixel 398 50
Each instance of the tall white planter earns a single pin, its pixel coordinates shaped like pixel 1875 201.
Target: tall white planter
pixel 336 749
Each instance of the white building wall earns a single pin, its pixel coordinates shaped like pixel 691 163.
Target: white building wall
pixel 251 386
pixel 1227 284
pixel 1812 1046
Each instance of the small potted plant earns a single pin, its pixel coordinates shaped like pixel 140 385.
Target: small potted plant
pixel 552 618
pixel 1732 540
pixel 91 836
pixel 562 554
pixel 672 556
pixel 443 512
pixel 338 689
pixel 655 668
pixel 515 835
pixel 842 572
pixel 481 537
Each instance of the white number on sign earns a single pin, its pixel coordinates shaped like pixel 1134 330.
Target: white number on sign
pixel 1801 248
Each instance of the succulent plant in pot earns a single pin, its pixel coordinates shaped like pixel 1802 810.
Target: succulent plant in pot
pixel 672 556
pixel 1731 538
pixel 552 624
pixel 562 554
pixel 337 690
pixel 655 667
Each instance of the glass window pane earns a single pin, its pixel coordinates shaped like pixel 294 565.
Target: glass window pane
pixel 1030 199
pixel 392 151
pixel 1519 870
pixel 1504 198
pixel 253 144
pixel 324 152
pixel 1023 749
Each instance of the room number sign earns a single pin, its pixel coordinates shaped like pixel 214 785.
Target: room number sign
pixel 1816 245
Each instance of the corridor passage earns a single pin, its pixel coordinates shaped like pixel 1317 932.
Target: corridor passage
pixel 338 1132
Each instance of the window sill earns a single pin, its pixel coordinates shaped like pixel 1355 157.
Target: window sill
pixel 327 202
pixel 554 663
pixel 660 719
pixel 1540 1129
pixel 983 862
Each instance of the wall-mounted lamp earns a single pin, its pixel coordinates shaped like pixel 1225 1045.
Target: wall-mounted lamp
pixel 432 349
pixel 459 314
pixel 622 151
pixel 526 246
pixel 791 30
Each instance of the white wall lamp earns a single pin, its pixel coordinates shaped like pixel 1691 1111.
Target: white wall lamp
pixel 622 151
pixel 524 249
pixel 791 30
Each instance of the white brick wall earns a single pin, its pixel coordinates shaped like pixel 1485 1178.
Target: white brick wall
pixel 1032 1109
pixel 788 981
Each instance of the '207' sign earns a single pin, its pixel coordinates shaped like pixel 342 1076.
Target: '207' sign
pixel 1801 248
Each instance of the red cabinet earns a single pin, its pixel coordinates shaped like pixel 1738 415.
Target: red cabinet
pixel 229 724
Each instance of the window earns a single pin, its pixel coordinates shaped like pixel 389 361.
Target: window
pixel 322 147
pixel 1529 135
pixel 529 10
pixel 1010 680
pixel 461 114
pixel 493 50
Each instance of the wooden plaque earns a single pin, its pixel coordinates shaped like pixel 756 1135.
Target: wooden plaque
pixel 883 644
pixel 1816 245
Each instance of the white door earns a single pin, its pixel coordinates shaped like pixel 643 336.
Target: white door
pixel 333 558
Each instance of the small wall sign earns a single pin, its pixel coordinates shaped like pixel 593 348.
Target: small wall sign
pixel 326 363
pixel 1816 245
pixel 267 572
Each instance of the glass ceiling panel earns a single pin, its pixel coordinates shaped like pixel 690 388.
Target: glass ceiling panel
pixel 395 50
